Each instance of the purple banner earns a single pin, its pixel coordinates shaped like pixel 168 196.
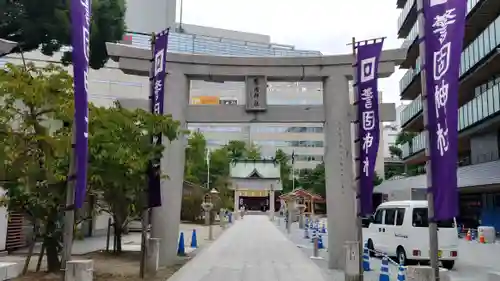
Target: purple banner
pixel 157 95
pixel 444 32
pixel 80 35
pixel 367 60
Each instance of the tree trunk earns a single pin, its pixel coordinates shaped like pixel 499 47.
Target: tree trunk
pixel 52 247
pixel 53 262
pixel 118 230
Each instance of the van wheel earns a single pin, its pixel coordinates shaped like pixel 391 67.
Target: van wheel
pixel 371 248
pixel 401 256
pixel 448 264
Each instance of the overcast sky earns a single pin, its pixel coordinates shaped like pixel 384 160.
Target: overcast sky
pixel 322 25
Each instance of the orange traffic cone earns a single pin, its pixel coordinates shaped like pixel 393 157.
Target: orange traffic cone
pixel 468 236
pixel 481 238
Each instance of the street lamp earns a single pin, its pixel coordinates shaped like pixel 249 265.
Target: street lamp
pixel 6 46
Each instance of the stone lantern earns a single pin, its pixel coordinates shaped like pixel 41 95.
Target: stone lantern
pixel 207 206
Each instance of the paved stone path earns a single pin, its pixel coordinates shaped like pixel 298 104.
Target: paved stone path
pixel 252 249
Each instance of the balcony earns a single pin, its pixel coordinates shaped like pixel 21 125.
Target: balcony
pixel 472 29
pixel 478 61
pixel 481 110
pixel 409 85
pixel 407 18
pixel 411 116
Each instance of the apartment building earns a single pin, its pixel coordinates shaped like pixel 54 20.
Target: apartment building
pixel 479 118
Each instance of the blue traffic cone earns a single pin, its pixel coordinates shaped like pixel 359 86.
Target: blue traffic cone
pixel 306 233
pixel 401 273
pixel 194 241
pixel 181 251
pixel 320 242
pixel 366 258
pixel 384 270
pixel 314 235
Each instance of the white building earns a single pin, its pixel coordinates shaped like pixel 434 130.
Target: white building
pixel 391 131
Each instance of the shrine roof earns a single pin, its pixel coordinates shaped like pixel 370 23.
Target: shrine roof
pixel 300 192
pixel 255 169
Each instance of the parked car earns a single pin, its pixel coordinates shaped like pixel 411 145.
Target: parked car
pixel 401 229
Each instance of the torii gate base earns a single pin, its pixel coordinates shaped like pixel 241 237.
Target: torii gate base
pixel 336 113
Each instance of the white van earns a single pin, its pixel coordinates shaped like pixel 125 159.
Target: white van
pixel 401 229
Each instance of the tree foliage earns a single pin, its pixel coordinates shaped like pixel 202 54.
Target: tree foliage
pixel 120 149
pixel 36 117
pixel 285 170
pixel 48 26
pixel 395 151
pixel 36 147
pixel 196 168
pixel 405 137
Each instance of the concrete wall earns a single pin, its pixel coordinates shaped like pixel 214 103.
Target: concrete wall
pixel 484 147
pixel 100 226
pixel 407 194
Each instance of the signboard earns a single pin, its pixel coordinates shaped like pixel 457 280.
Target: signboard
pixel 228 101
pixel 205 100
pixel 256 89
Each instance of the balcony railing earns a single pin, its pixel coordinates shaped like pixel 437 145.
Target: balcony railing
pixel 482 106
pixel 413 34
pixel 411 110
pixel 404 12
pixel 484 44
pixel 409 76
pixel 199 44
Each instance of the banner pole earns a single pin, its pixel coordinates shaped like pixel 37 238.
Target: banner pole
pixel 358 146
pixel 69 212
pixel 433 235
pixel 145 212
pixel 359 227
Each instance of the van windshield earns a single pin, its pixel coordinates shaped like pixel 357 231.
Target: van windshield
pixel 420 219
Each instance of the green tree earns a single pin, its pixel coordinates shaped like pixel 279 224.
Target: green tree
pixel 236 149
pixel 377 180
pixel 313 179
pixel 395 151
pixel 36 148
pixel 405 137
pixel 48 26
pixel 120 149
pixel 285 170
pixel 195 169
pixel 253 152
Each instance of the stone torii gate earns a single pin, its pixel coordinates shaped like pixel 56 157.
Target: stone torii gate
pixel 336 113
